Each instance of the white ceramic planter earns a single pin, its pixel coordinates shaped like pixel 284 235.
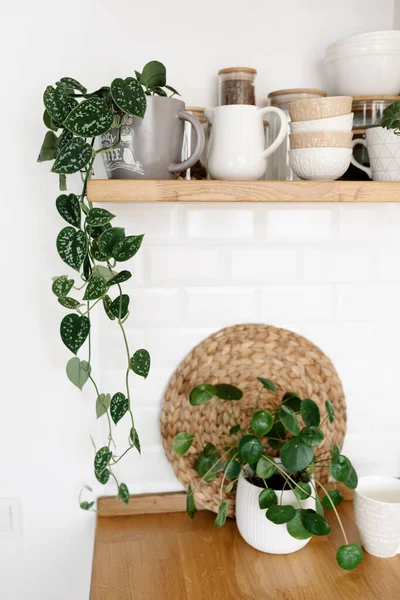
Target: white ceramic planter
pixel 255 528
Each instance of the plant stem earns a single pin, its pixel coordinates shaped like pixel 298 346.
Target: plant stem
pixel 233 413
pixel 336 512
pixel 285 475
pixel 224 477
pixel 209 470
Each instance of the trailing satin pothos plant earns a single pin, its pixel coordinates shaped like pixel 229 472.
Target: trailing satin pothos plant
pixel 295 430
pixel 91 245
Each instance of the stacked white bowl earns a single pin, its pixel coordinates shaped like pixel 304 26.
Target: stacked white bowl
pixel 365 64
pixel 321 137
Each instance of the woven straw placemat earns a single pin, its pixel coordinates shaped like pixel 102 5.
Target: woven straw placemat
pixel 238 355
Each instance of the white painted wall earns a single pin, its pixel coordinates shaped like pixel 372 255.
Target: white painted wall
pixel 346 258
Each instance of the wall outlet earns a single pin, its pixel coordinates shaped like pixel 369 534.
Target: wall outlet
pixel 10 518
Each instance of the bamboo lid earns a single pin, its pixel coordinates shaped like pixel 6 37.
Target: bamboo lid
pixel 376 98
pixel 237 70
pixel 297 91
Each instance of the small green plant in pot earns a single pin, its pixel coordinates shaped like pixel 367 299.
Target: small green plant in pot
pixel 284 488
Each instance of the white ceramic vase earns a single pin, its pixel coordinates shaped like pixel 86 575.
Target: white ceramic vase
pixel 256 529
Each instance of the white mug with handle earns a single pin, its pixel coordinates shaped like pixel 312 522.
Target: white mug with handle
pixel 236 149
pixel 377 514
pixel 383 147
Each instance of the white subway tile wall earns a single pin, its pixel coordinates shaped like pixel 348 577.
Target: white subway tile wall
pixel 328 272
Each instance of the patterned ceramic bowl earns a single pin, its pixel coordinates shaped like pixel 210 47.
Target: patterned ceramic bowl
pixel 320 108
pixel 320 163
pixel 321 139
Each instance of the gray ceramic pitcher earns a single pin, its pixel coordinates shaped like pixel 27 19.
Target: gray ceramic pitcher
pixel 151 148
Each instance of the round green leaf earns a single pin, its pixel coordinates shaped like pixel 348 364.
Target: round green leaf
pixel 127 247
pixel 232 469
pixel 295 455
pixel 267 384
pixel 120 278
pixel 349 556
pixel 202 394
pixel 129 96
pixel 57 103
pixel 107 307
pixel 74 331
pixel 140 363
pixel 266 467
pixel 351 480
pixel 119 406
pixel 302 491
pixel 280 514
pixel 296 528
pixel 102 404
pixel 292 401
pixel 261 422
pixel 86 505
pixel 90 118
pixel 73 157
pixel 153 75
pixel 108 240
pixel 288 419
pixel 96 288
pixel 314 523
pixel 222 514
pixel 225 391
pixel 310 413
pixel 72 247
pixel 340 468
pixel 209 466
pixel 62 286
pixel 277 432
pixel 334 497
pixel 311 436
pixel 267 498
pixel 182 442
pixel 123 493
pixel 330 410
pixel 391 116
pixel 235 429
pixel 97 217
pixel 119 306
pixel 250 449
pixel 190 503
pixel 78 371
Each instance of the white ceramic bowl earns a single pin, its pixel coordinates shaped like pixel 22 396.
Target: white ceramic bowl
pixel 320 163
pixel 365 74
pixel 341 123
pixel 390 36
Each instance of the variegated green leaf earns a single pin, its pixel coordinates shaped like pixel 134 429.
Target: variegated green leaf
pixel 48 147
pixel 78 371
pixel 95 252
pixel 120 277
pixel 101 460
pixel 69 302
pixel 127 247
pixel 72 247
pixel 104 272
pixel 123 493
pixel 119 307
pixel 57 103
pixel 129 96
pixel 140 363
pixel 118 407
pixel 74 331
pixel 109 238
pixel 154 75
pixel 49 122
pixel 96 288
pixel 134 437
pixel 102 404
pixel 90 118
pixel 63 140
pixel 73 157
pixel 98 216
pixel 107 303
pixel 69 209
pixel 69 82
pixel 62 285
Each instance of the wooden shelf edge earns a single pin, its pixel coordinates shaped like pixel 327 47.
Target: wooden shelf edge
pixel 129 190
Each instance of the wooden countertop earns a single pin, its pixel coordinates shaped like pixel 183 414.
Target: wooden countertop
pixel 166 556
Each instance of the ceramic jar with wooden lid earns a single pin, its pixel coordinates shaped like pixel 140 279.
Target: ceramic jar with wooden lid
pixel 278 167
pixel 236 86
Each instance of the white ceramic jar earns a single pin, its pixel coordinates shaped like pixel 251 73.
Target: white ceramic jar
pixel 256 529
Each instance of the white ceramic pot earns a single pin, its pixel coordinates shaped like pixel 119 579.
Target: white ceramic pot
pixel 384 154
pixel 320 163
pixel 255 528
pixel 236 149
pixel 377 514
pixel 341 123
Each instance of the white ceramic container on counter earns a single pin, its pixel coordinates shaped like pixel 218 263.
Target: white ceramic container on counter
pixel 256 529
pixel 320 163
pixel 383 147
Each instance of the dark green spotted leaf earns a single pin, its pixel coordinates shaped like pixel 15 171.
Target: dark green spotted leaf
pixel 63 141
pixel 73 84
pixel 108 240
pixel 134 436
pixel 225 391
pixel 118 407
pixel 232 469
pixel 310 413
pixel 95 252
pixel 69 209
pixel 296 528
pixel 311 436
pixel 101 460
pixel 182 442
pixel 349 556
pixel 119 306
pixel 103 477
pixel 153 75
pixel 267 498
pixel 78 371
pixel 220 519
pixel 190 503
pixel 72 247
pixel 330 410
pixel 332 498
pixel 98 216
pixel 107 303
pixel 123 493
pixel 202 394
pixel 127 247
pixel 95 232
pixel 266 467
pixel 102 404
pixel 74 331
pixel 57 103
pixel 295 455
pixel 288 419
pixel 47 151
pixel 73 157
pixel 62 285
pixel 96 288
pixel 250 449
pixel 280 514
pixel 267 384
pixel 90 118
pixel 314 523
pixel 129 96
pixel 140 363
pixel 261 422
pixel 68 302
pixel 120 278
pixel 302 491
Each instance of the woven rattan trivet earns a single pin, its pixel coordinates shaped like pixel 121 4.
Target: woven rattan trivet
pixel 238 355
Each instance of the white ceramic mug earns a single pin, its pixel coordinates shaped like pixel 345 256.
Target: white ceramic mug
pixel 236 148
pixel 377 514
pixel 384 154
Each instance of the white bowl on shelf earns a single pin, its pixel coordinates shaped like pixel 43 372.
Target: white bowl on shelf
pixel 340 123
pixel 320 163
pixel 390 36
pixel 365 74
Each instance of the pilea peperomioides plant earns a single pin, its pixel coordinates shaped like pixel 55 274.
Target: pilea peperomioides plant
pixel 91 245
pixel 246 456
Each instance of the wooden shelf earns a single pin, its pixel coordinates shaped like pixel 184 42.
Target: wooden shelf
pixel 128 190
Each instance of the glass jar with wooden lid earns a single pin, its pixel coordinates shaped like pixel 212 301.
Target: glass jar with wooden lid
pixel 236 86
pixel 278 167
pixel 368 110
pixel 199 169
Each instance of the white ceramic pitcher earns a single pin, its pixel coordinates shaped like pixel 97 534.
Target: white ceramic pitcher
pixel 237 144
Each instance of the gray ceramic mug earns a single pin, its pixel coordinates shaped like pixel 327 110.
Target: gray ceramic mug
pixel 151 148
